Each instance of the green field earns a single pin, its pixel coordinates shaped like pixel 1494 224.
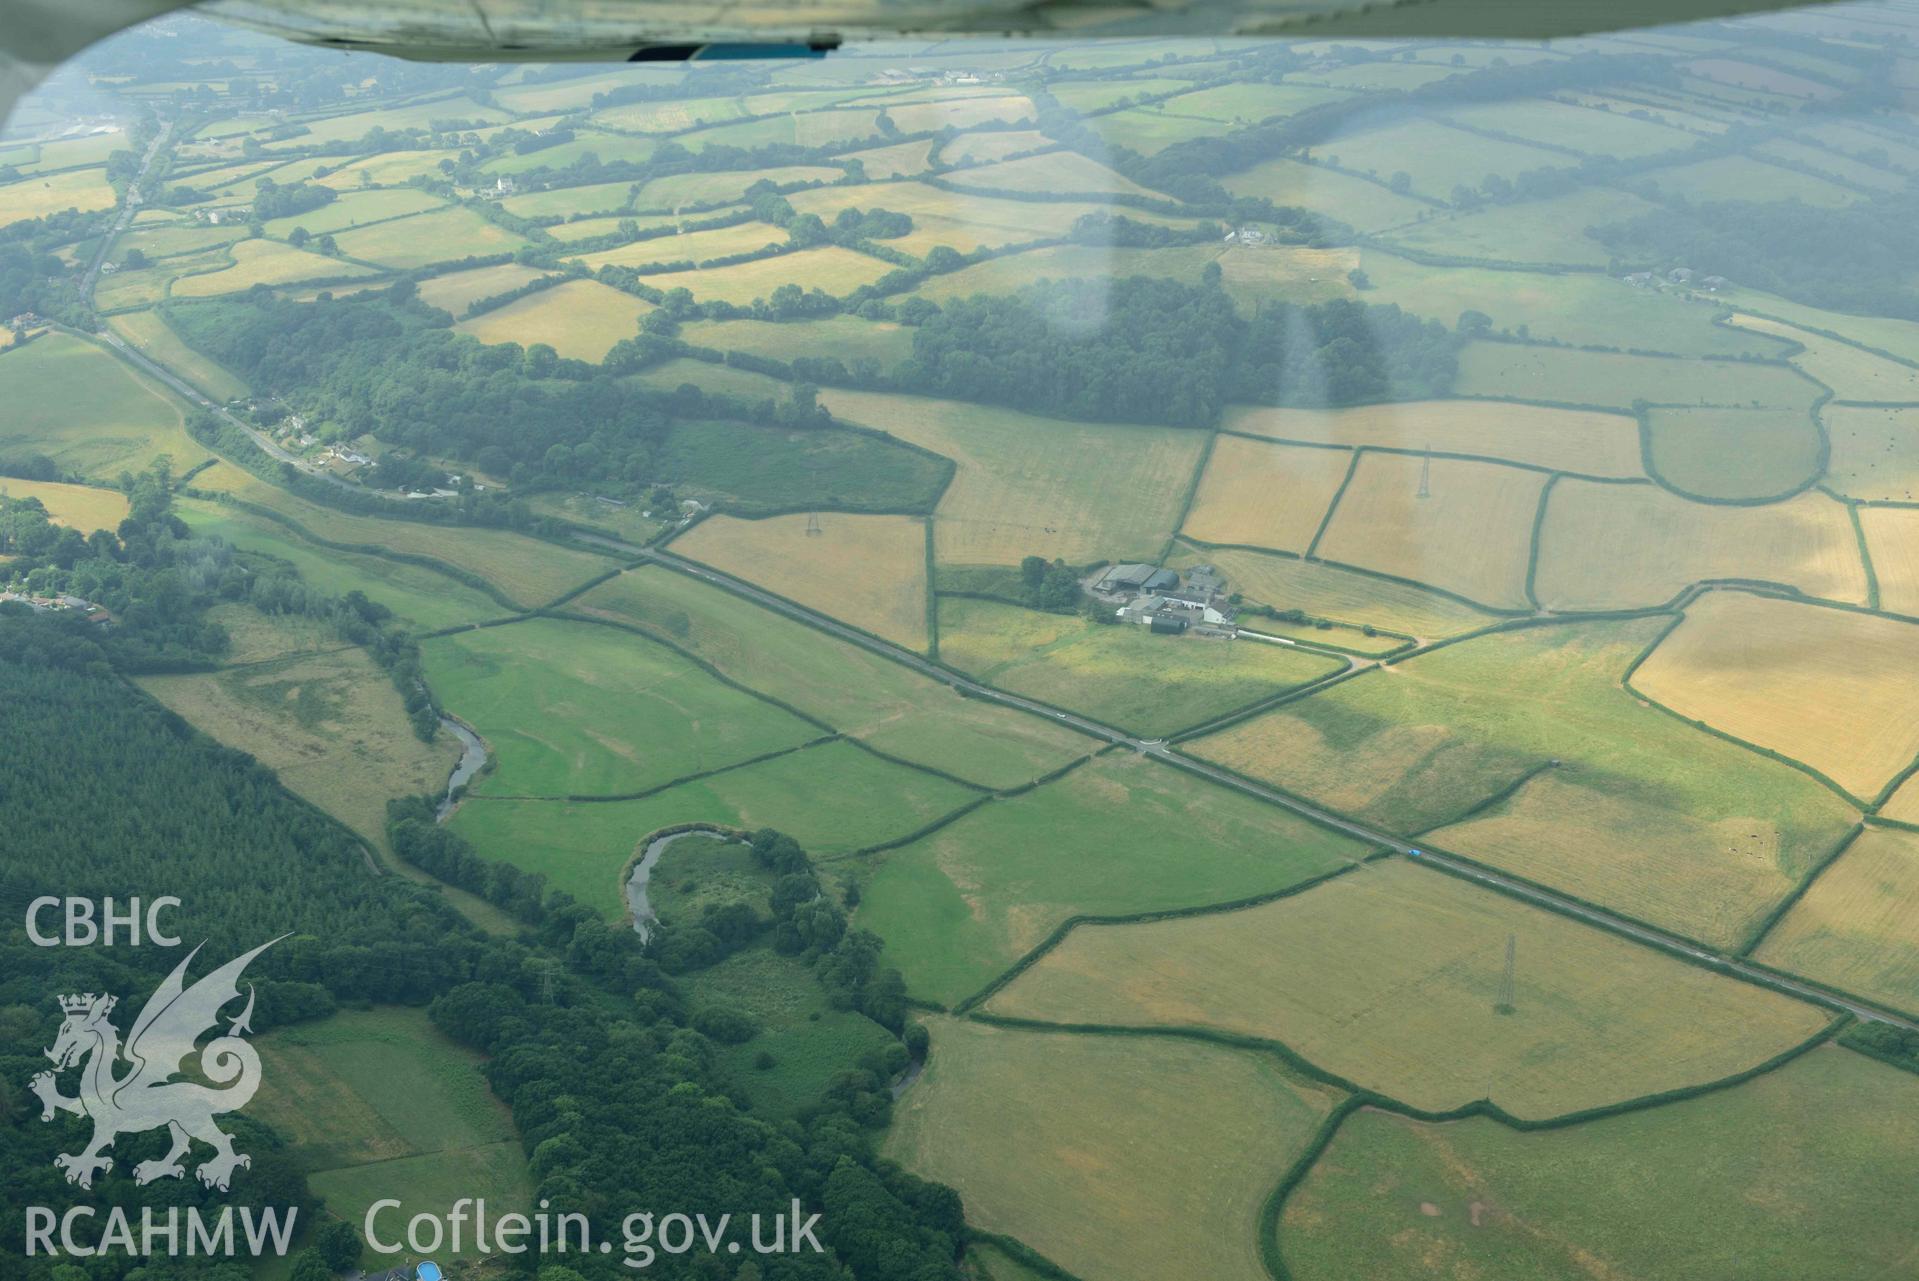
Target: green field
pixel 427 238
pixel 356 208
pixel 91 414
pixel 833 799
pixel 262 262
pixel 1119 836
pixel 1390 977
pixel 1733 453
pixel 1644 814
pixel 1801 1173
pixel 571 709
pixel 1327 591
pixel 757 469
pixel 830 268
pixel 860 694
pixel 1367 206
pixel 1584 308
pixel 1559 124
pixel 379 1103
pixel 1552 230
pixel 1615 380
pixel 1119 673
pixel 1437 158
pixel 680 191
pixel 150 333
pixel 423 598
pixel 1111 1156
pixel 1854 929
pixel 809 1040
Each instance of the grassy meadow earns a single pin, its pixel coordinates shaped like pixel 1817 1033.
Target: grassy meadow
pixel 833 799
pixel 859 693
pixel 581 319
pixel 1119 673
pixel 574 709
pixel 1389 977
pixel 1643 814
pixel 1855 928
pixel 90 413
pixel 1121 835
pixel 1111 1156
pixel 379 1103
pixel 1799 1173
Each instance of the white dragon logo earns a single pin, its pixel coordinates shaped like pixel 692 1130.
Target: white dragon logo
pixel 147 1097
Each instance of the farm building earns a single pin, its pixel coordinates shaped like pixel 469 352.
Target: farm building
pixel 1125 578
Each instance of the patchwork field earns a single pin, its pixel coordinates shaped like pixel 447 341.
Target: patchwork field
pixel 1436 158
pixel 1065 173
pixel 963 220
pixel 91 414
pixel 1559 124
pixel 1327 591
pixel 80 507
pixel 1568 376
pixel 847 339
pixel 1121 673
pixel 1737 454
pixel 689 246
pixel 1626 546
pixel 1875 451
pixel 379 1103
pixel 833 799
pixel 1738 177
pixel 1121 835
pixel 835 270
pixel 859 693
pixel 1262 495
pixel 1249 275
pixel 1389 976
pixel 568 202
pixel 1032 486
pixel 1642 813
pixel 1852 373
pixel 1827 687
pixel 1803 1168
pixel 866 570
pixel 428 238
pixel 354 209
pixel 1368 206
pixel 1470 533
pixel 327 721
pixel 1111 1156
pixel 581 319
pixel 683 191
pixel 1892 536
pixel 1574 440
pixel 265 262
pixel 571 709
pixel 1857 928
pixel 992 145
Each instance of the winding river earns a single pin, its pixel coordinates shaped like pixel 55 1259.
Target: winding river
pixel 637 902
pixel 472 756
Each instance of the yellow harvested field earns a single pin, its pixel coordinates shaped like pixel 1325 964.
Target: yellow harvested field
pixel 1112 1156
pixel 1061 172
pixel 1632 546
pixel 1892 536
pixel 527 570
pixel 1574 440
pixel 264 262
pixel 1032 486
pixel 833 269
pixel 1857 928
pixel 869 571
pixel 458 290
pixel 1389 976
pixel 1327 591
pixel 1830 688
pixel 581 319
pixel 330 724
pixel 1852 372
pixel 36 197
pixel 80 507
pixel 1471 534
pixel 1260 495
pixel 1875 452
pixel 689 246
